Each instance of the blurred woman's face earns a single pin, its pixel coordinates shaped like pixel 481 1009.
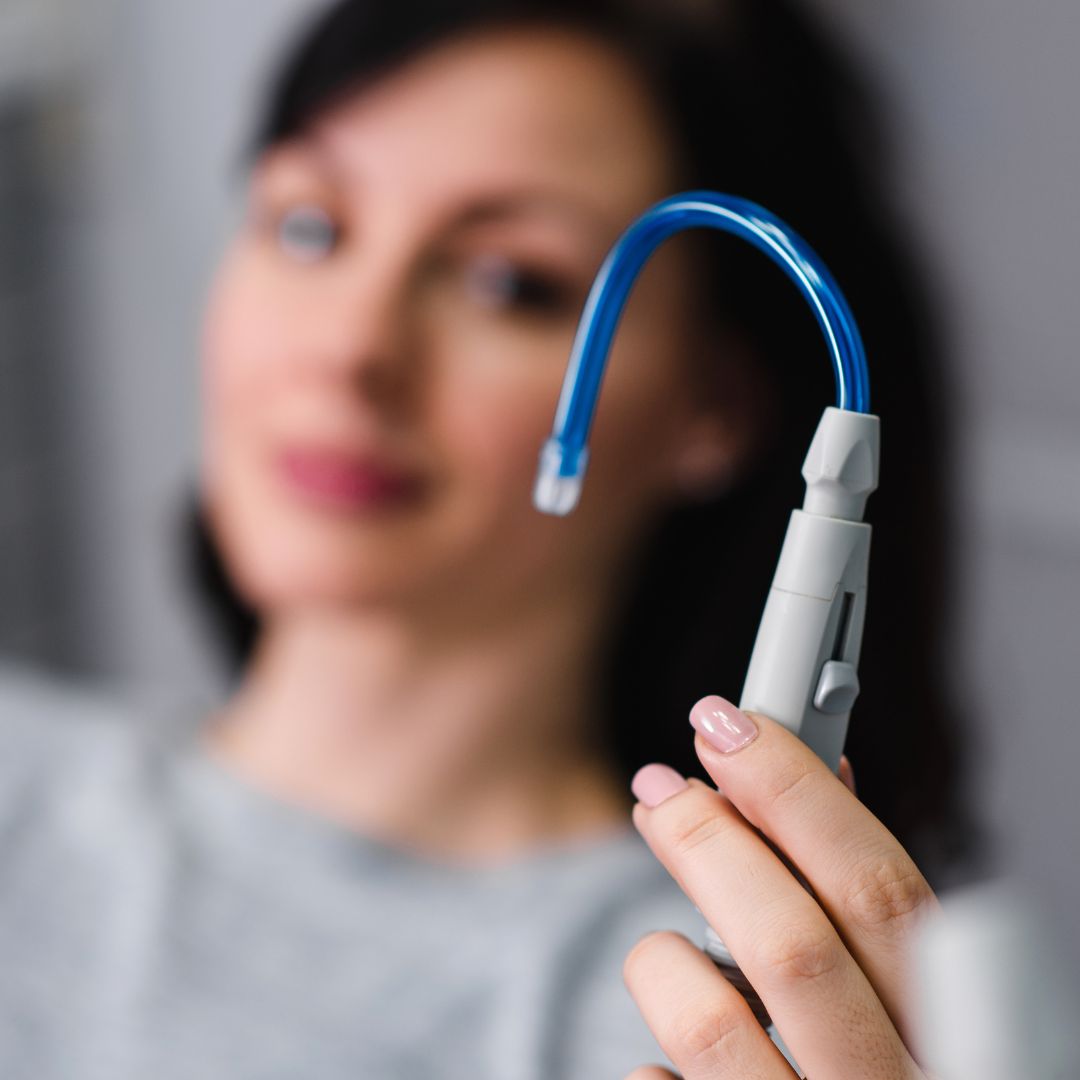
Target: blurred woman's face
pixel 388 334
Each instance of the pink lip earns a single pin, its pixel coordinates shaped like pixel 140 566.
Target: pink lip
pixel 347 481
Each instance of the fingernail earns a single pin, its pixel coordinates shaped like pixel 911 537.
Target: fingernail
pixel 652 784
pixel 722 724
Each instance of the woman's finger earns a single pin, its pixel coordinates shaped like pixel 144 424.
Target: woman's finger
pixel 700 1020
pixel 868 885
pixel 820 1000
pixel 652 1072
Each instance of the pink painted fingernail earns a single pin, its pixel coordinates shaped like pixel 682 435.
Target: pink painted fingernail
pixel 652 784
pixel 722 724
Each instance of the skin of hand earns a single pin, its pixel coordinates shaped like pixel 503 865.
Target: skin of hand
pixel 831 967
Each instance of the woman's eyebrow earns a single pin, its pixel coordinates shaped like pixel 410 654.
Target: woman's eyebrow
pixel 492 208
pixel 497 209
pixel 320 155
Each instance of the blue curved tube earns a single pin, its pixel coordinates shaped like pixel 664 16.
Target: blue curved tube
pixel 565 454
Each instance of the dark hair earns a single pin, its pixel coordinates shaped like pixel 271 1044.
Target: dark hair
pixel 763 106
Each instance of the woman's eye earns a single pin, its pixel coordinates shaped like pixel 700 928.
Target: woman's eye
pixel 307 233
pixel 502 285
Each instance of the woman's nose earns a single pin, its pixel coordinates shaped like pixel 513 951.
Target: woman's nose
pixel 363 333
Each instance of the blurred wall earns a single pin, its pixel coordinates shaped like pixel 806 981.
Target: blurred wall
pixel 154 96
pixel 34 64
pixel 170 89
pixel 152 100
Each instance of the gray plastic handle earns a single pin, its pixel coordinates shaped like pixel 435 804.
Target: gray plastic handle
pixel 804 669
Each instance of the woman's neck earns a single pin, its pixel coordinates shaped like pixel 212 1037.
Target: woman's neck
pixel 470 745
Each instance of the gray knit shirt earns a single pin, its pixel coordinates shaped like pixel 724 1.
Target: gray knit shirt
pixel 162 919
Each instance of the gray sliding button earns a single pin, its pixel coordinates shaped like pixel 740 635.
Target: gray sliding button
pixel 838 687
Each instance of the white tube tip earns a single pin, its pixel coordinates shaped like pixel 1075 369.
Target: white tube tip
pixel 554 493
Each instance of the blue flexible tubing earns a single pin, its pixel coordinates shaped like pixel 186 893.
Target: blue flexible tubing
pixel 697 209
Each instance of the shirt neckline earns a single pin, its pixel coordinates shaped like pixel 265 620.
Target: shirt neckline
pixel 236 812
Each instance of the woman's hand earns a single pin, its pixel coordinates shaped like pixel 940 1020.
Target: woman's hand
pixel 831 970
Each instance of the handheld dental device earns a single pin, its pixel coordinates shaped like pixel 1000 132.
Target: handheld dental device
pixel 803 669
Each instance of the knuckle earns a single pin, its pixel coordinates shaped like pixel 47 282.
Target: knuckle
pixel 705 1037
pixel 887 894
pixel 788 783
pixel 801 954
pixel 696 831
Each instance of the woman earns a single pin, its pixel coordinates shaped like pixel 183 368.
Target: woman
pixel 401 849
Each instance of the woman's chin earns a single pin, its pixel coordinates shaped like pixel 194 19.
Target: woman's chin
pixel 292 586
pixel 446 565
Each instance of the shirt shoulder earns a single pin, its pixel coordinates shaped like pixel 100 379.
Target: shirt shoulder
pixel 41 711
pixel 60 740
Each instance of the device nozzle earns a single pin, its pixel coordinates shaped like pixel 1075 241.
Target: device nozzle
pixel 841 468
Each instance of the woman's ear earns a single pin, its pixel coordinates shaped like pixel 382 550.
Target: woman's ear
pixel 729 426
pixel 706 463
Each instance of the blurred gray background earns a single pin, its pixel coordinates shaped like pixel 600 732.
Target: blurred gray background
pixel 121 124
